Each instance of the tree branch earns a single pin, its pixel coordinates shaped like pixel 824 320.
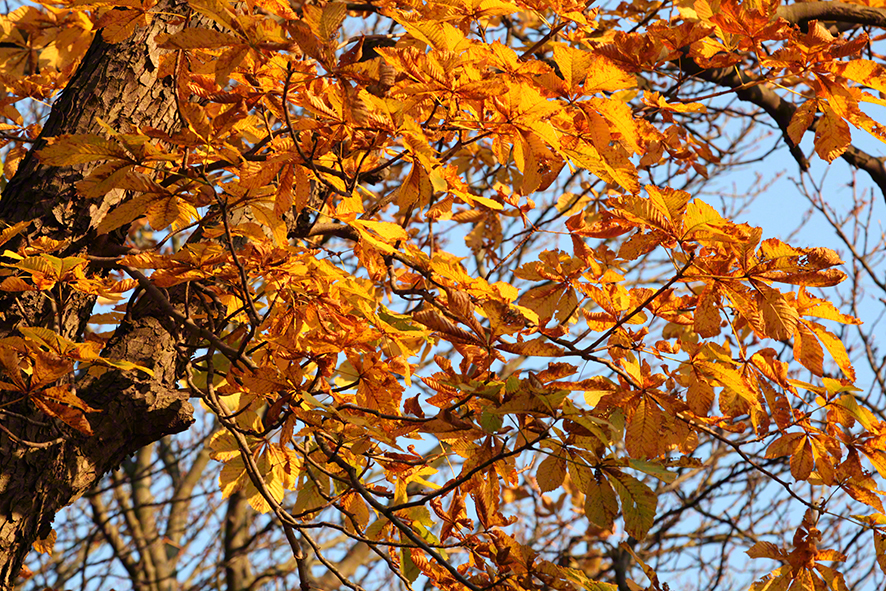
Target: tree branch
pixel 753 90
pixel 802 14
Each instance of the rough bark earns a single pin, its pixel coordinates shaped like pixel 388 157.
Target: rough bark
pixel 117 84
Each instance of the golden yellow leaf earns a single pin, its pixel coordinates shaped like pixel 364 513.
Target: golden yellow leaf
pixel 866 72
pixel 233 476
pixel 229 61
pixel 331 19
pixel 388 231
pixel 731 379
pixel 12 231
pixel 268 219
pixel 807 349
pixel 71 150
pixel 126 212
pixel 356 507
pixel 44 545
pixel 64 395
pixel 621 124
pixel 699 395
pixel 302 187
pixel 416 189
pixel 16 284
pixel 574 63
pixel 864 495
pixel 216 10
pixel 223 445
pixel 170 210
pixel 681 107
pixel 551 472
pixel 819 308
pixel 606 75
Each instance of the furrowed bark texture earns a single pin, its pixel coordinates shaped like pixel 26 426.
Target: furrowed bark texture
pixel 118 85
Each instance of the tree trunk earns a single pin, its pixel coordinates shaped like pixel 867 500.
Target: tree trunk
pixel 118 85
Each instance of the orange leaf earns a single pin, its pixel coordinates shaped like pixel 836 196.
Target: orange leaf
pixel 835 348
pixel 643 436
pixel 807 349
pixel 864 495
pixel 63 395
pixel 731 379
pixel 779 317
pixel 72 416
pixel 802 460
pixel 706 319
pixel 766 550
pixel 832 135
pixel 539 347
pixel 801 120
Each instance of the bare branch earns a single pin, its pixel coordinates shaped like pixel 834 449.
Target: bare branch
pixel 803 13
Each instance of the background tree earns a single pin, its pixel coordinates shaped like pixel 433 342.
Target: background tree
pixel 446 272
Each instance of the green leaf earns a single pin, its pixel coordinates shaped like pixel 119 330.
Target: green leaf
pixel 490 422
pixel 638 502
pixel 407 566
pixel 653 469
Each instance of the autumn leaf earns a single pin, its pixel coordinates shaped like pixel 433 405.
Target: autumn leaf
pixel 74 417
pixel 706 319
pixel 638 503
pixel 779 317
pixel 551 472
pixel 574 63
pixel 643 434
pixel 45 544
pixel 601 502
pixel 71 150
pixel 835 347
pixel 345 229
pixel 539 347
pixel 832 135
pixel 731 379
pixel 802 460
pixel 801 120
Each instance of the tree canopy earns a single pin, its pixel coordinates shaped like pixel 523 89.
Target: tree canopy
pixel 441 293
